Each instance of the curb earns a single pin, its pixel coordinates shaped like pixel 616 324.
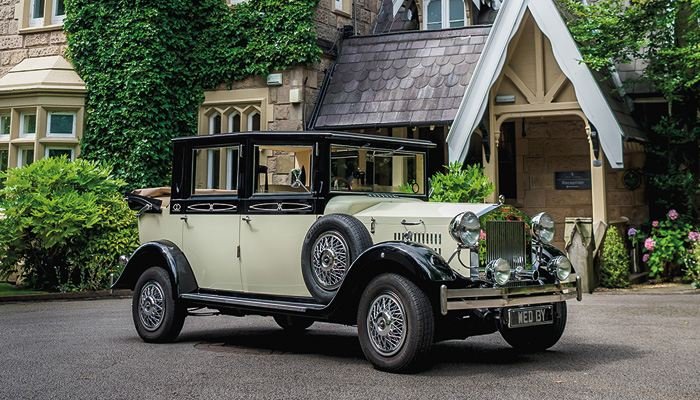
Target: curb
pixel 684 290
pixel 96 295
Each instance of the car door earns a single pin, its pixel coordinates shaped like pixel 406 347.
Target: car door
pixel 276 219
pixel 211 218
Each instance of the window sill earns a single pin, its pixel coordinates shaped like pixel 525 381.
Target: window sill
pixel 39 29
pixel 60 140
pixel 342 13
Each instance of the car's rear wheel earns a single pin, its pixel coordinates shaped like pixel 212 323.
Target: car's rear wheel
pixel 330 247
pixel 157 315
pixel 395 324
pixel 536 338
pixel 293 324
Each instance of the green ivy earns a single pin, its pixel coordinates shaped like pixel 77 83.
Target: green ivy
pixel 146 64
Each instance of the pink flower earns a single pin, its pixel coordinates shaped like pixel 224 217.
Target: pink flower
pixel 655 224
pixel 645 258
pixel 673 214
pixel 649 244
pixel 694 236
pixel 482 235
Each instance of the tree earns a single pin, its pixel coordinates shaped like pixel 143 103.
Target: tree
pixel 666 34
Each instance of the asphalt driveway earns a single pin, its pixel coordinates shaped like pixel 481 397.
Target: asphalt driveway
pixel 615 347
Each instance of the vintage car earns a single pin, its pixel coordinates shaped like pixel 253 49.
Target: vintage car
pixel 336 227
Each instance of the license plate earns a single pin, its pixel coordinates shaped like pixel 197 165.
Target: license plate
pixel 530 316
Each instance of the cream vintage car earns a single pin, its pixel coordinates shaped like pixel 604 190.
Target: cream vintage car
pixel 336 227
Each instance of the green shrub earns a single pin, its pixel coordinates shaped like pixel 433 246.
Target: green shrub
pixel 692 265
pixel 65 224
pixel 615 261
pixel 460 185
pixel 667 246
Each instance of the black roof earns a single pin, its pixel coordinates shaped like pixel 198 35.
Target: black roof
pixel 401 79
pixel 297 135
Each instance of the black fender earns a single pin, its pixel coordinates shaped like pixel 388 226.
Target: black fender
pixel 417 262
pixel 159 253
pixel 549 252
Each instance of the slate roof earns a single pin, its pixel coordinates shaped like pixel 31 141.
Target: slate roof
pixel 409 78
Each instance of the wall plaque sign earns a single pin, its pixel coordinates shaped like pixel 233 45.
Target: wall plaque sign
pixel 572 180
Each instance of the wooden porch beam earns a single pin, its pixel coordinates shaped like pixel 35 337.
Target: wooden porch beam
pixel 522 87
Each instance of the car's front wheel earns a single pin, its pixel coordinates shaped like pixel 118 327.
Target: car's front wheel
pixel 157 315
pixel 536 338
pixel 395 324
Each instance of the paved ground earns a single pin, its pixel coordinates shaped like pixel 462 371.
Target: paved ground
pixel 615 347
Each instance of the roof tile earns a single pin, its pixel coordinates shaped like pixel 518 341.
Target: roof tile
pixel 408 78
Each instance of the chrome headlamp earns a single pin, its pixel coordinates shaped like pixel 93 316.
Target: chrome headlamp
pixel 499 271
pixel 543 227
pixel 465 229
pixel 561 267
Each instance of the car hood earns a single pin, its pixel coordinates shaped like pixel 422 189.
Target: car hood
pixel 424 210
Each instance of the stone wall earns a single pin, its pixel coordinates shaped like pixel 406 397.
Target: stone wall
pixel 16 46
pixel 329 20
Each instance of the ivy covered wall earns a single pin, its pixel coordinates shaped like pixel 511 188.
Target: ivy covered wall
pixel 146 64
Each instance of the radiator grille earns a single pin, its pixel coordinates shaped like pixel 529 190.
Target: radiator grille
pixel 433 240
pixel 506 239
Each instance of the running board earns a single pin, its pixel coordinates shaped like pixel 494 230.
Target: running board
pixel 248 303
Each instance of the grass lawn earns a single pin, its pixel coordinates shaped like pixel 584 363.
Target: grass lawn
pixel 8 289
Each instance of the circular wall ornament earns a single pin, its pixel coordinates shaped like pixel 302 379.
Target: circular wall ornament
pixel 632 179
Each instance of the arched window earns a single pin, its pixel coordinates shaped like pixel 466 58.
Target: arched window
pixel 456 13
pixel 234 122
pixel 434 14
pixel 443 14
pixel 215 124
pixel 254 121
pixel 214 155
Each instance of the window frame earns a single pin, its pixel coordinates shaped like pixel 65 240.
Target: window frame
pixel 5 150
pixel 36 21
pixel 74 129
pixel 250 117
pixel 57 19
pixel 445 17
pixel 310 173
pixel 20 156
pixel 423 185
pixel 229 183
pixel 342 6
pixel 47 149
pixel 9 132
pixel 22 115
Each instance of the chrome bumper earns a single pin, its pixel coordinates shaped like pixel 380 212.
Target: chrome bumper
pixel 470 299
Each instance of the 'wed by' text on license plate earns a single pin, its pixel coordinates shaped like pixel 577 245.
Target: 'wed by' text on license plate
pixel 530 316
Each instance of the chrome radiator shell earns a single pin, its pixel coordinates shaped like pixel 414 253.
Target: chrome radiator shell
pixel 507 240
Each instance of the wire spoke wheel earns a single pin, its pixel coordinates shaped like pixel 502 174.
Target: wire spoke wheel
pixel 151 306
pixel 330 260
pixel 386 324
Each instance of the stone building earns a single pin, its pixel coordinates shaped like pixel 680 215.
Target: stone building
pixel 42 100
pixel 490 81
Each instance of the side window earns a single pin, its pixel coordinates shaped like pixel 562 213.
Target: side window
pixel 215 171
pixel 355 169
pixel 283 169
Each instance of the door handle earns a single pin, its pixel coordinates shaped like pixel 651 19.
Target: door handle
pixel 246 219
pixel 183 218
